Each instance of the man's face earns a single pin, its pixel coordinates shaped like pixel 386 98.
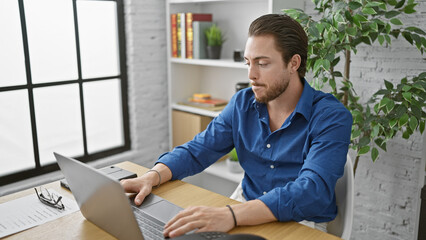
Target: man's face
pixel 266 69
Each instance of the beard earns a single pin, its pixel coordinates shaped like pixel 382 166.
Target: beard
pixel 272 92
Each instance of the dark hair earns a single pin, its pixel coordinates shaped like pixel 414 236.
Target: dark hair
pixel 290 38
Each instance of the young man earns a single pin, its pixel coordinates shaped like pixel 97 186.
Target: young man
pixel 291 140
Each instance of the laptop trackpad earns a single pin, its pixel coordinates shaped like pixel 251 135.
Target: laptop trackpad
pixel 162 210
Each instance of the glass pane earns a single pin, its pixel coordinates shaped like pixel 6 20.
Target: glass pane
pixel 16 145
pixel 58 117
pixel 97 23
pixel 12 60
pixel 51 40
pixel 102 108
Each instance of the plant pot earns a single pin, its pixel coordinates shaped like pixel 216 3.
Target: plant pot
pixel 234 166
pixel 213 52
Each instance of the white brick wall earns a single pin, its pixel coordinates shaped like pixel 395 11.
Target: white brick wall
pixel 147 71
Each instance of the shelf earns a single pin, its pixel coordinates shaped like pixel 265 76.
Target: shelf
pixel 207 1
pixel 229 63
pixel 195 110
pixel 220 169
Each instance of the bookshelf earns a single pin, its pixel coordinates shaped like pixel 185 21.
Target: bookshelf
pixel 217 77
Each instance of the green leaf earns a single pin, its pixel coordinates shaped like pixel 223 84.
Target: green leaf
pixel 407 37
pixel 390 105
pixel 337 74
pixel 388 28
pixel 406 88
pixel 383 102
pixel 413 123
pixel 351 31
pixel 392 14
pixel 313 31
pixel 374 154
pixel 355 134
pixel 363 150
pixel 381 39
pixel 408 9
pixel 381 143
pixel 403 120
pixel 326 64
pixel 332 83
pixel 407 96
pixel 416 30
pixel 354 5
pixel 392 123
pixel 400 4
pixel 396 21
pixel 388 40
pixel 422 126
pixel 389 85
pixel 375 131
pixel 392 2
pixel 406 135
pixel 364 141
pixel 317 65
pixel 369 10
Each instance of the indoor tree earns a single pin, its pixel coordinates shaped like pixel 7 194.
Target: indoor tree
pixel 339 27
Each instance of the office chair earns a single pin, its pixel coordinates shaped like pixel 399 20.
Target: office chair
pixel 341 226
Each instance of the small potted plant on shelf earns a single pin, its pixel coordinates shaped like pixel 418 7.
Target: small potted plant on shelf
pixel 232 162
pixel 215 40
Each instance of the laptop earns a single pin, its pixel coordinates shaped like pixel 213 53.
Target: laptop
pixel 102 201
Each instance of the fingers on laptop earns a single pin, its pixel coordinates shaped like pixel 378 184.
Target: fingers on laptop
pixel 137 186
pixel 201 219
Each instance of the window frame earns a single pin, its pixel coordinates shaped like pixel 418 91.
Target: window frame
pixel 29 86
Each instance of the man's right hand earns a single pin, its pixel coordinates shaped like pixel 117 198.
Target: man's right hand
pixel 142 185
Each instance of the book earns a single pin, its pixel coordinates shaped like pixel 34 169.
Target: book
pixel 212 102
pixel 199 39
pixel 189 35
pixel 201 106
pixel 173 25
pixel 190 18
pixel 181 36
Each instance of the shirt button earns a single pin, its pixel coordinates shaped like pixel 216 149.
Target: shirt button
pixel 264 193
pixel 268 145
pixel 272 166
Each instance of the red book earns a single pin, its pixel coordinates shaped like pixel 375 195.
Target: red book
pixel 189 18
pixel 173 19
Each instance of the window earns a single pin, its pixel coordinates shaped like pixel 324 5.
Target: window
pixel 63 84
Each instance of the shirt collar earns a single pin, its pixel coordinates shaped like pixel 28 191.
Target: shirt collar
pixel 304 106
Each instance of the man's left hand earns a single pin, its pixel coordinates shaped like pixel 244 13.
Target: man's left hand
pixel 200 219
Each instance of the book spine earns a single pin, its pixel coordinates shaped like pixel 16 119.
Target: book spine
pixel 183 34
pixel 189 36
pixel 173 19
pixel 179 34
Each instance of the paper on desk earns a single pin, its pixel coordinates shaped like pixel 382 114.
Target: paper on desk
pixel 27 212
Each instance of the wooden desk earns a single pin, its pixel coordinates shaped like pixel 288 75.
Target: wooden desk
pixel 75 226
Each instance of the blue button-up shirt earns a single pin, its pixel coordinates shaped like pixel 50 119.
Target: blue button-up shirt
pixel 294 169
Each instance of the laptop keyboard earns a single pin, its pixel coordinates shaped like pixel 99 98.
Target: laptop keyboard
pixel 151 228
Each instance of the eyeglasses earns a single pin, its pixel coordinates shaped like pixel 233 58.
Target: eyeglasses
pixel 50 199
